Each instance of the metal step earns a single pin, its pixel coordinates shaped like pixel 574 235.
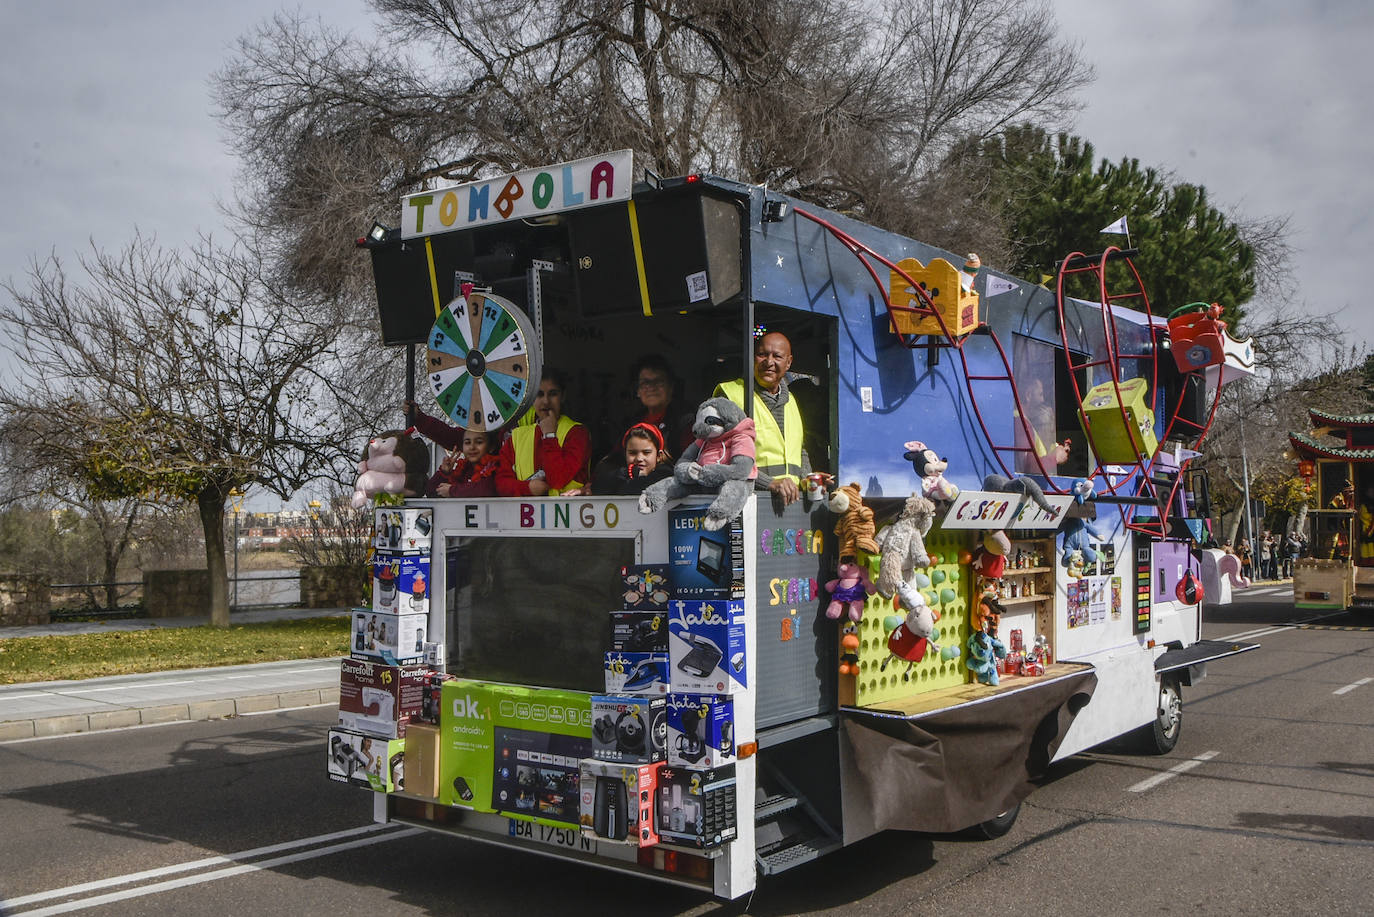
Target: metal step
pixel 773 806
pixel 781 859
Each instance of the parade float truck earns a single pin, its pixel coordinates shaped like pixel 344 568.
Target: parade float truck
pixel 570 676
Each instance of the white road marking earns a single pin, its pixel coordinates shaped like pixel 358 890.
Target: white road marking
pixel 185 881
pixel 1351 687
pixel 1181 767
pixel 1280 628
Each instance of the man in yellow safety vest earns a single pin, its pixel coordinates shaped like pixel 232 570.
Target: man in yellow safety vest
pixel 782 462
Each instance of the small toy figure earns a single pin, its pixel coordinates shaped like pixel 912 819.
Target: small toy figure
pixel 983 652
pixel 849 652
pixel 930 468
pixel 849 591
pixel 988 614
pixel 910 639
pixel 1073 563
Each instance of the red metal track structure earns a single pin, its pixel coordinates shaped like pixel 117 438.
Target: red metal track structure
pixel 1142 482
pixel 956 344
pixel 1139 485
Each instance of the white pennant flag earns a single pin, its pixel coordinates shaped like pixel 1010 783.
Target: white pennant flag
pixel 1119 228
pixel 996 285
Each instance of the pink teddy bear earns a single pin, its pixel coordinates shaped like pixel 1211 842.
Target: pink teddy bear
pixel 850 589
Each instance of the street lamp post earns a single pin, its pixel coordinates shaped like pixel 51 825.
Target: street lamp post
pixel 236 498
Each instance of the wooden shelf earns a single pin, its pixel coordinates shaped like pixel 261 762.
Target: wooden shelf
pixel 1025 599
pixel 1025 571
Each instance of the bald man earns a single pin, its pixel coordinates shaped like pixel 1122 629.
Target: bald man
pixel 782 462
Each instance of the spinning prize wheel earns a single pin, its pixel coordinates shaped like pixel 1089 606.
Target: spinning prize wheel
pixel 484 360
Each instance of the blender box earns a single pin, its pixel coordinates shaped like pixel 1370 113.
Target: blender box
pixel 400 583
pixel 618 801
pixel 706 647
pixel 696 808
pixel 378 699
pixel 514 750
pixel 636 673
pixel 701 730
pixel 403 530
pixel 364 760
pixel 388 637
pixel 704 564
pixel 628 728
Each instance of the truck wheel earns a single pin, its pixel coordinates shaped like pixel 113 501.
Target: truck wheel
pixel 994 828
pixel 1160 736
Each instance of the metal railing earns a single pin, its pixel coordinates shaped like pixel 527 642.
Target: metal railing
pixel 87 600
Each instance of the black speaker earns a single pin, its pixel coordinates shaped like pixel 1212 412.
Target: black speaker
pixel 405 299
pixel 690 244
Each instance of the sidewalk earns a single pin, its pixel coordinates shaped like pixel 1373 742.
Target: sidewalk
pixel 51 708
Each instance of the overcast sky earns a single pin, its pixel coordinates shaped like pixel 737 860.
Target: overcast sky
pixel 108 124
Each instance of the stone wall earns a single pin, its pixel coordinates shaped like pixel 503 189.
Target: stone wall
pixel 338 586
pixel 24 600
pixel 176 593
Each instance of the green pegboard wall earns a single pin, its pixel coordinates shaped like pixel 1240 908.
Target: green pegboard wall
pixel 947 591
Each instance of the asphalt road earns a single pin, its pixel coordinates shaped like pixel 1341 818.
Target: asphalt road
pixel 1265 807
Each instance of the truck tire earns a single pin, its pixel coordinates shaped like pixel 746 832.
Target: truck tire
pixel 1160 736
pixel 994 828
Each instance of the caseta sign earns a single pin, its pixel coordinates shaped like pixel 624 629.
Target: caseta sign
pixel 975 509
pixel 531 193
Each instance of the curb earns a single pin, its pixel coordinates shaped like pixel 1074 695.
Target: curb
pixel 73 724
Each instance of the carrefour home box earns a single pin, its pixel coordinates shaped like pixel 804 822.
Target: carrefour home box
pixel 514 750
pixel 703 564
pixel 392 639
pixel 378 699
pixel 706 647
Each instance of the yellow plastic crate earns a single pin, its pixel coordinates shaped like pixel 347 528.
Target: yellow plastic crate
pixel 1117 439
pixel 941 280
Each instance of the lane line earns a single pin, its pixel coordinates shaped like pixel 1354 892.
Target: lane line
pixel 186 881
pixel 1351 687
pixel 1181 767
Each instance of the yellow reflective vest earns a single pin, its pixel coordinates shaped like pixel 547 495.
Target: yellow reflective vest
pixel 522 444
pixel 777 452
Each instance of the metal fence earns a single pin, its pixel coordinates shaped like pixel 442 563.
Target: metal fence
pixel 250 589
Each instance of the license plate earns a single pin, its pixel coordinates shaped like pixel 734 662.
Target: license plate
pixel 567 838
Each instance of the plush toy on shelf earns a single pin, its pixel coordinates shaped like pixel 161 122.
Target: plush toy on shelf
pixel 903 544
pixel 989 611
pixel 1077 533
pixel 848 591
pixel 930 468
pixel 720 460
pixel 393 462
pixel 990 557
pixel 983 652
pixel 854 528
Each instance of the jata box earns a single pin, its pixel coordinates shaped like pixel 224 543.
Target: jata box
pixel 704 564
pixel 514 750
pixel 628 728
pixel 364 760
pixel 401 530
pixel 701 730
pixel 639 631
pixel 645 586
pixel 392 639
pixel 706 649
pixel 379 699
pixel 636 673
pixel 696 808
pixel 400 583
pixel 618 801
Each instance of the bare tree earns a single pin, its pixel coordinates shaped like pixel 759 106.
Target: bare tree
pixel 849 104
pixel 185 376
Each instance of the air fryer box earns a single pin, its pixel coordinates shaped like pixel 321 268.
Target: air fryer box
pixel 379 699
pixel 400 583
pixel 618 801
pixel 701 730
pixel 628 729
pixel 514 750
pixel 389 638
pixel 636 673
pixel 639 631
pixel 696 808
pixel 403 530
pixel 645 586
pixel 706 647
pixel 368 761
pixel 704 564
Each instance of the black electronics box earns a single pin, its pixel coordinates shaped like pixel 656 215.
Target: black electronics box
pixel 696 808
pixel 639 631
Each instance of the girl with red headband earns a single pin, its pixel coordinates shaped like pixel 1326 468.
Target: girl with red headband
pixel 645 461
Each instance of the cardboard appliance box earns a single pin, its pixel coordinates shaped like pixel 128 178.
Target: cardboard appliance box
pixel 367 761
pixel 636 673
pixel 618 801
pixel 704 564
pixel 422 760
pixel 696 808
pixel 388 637
pixel 706 647
pixel 701 730
pixel 629 729
pixel 379 699
pixel 403 530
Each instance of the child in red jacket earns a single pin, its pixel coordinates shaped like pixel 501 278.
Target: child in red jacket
pixel 467 472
